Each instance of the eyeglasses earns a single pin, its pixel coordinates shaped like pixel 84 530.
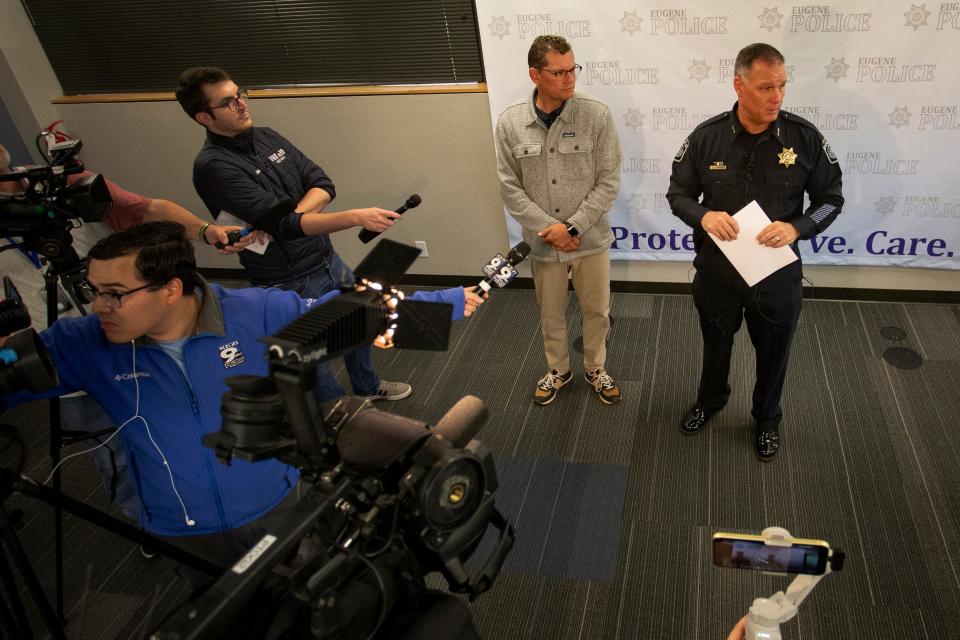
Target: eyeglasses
pixel 234 103
pixel 112 299
pixel 563 73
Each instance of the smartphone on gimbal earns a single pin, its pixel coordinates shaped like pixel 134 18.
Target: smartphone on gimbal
pixel 744 551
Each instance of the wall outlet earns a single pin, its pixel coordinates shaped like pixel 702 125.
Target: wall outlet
pixel 423 248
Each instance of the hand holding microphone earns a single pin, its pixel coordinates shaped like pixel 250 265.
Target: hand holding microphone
pixel 267 221
pixel 500 271
pixel 413 201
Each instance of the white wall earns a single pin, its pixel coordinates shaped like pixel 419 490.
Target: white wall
pixel 378 149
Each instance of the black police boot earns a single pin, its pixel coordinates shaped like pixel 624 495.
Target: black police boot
pixel 695 419
pixel 768 444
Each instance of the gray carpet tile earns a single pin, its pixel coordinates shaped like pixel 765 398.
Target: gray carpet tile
pixel 614 506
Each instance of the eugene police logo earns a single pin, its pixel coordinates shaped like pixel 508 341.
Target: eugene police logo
pixel 820 19
pixel 874 163
pixel 631 22
pixel 699 70
pixel 634 118
pixel 640 165
pixel 949 16
pixel 899 117
pixel 676 118
pixel 770 19
pixel 531 25
pixel 676 22
pixel 614 73
pixel 836 69
pixel 826 121
pixel 885 205
pixel 499 27
pixel 917 16
pixel 887 70
pixel 231 354
pixel 939 117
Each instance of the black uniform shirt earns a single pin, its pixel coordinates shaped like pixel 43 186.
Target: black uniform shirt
pixel 730 167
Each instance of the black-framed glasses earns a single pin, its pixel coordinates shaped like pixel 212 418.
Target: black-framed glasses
pixel 234 103
pixel 561 74
pixel 113 299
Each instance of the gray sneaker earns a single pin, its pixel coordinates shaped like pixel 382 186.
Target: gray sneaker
pixel 392 391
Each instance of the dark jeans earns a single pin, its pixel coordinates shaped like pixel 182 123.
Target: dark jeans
pixel 771 309
pixel 363 378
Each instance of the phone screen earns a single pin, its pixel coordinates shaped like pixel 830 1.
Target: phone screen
pixel 736 553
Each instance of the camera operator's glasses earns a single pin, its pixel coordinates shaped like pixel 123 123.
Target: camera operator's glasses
pixel 112 299
pixel 234 103
pixel 562 74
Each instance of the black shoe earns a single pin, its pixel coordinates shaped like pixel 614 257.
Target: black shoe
pixel 768 444
pixel 695 419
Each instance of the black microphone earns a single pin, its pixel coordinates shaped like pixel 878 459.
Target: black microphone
pixel 462 421
pixel 366 235
pixel 500 271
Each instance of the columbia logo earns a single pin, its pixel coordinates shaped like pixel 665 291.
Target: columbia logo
pixel 131 376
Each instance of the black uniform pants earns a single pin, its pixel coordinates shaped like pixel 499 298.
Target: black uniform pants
pixel 771 308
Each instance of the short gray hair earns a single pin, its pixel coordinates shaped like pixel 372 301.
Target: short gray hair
pixel 753 52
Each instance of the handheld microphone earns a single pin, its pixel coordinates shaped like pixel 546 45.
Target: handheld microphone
pixel 366 235
pixel 267 221
pixel 500 271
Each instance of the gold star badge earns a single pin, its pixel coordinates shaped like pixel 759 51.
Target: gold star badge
pixel 788 157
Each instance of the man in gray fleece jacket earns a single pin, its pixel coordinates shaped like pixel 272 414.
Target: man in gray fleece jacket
pixel 558 159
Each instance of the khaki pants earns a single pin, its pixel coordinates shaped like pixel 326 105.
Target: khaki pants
pixel 591 281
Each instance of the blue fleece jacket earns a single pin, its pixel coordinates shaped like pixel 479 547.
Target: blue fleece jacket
pixel 176 410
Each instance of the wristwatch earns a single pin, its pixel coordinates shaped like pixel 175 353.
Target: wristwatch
pixel 573 231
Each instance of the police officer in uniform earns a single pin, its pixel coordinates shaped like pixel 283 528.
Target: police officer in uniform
pixel 753 152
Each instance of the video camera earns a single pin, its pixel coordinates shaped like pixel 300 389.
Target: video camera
pixel 49 206
pixel 389 498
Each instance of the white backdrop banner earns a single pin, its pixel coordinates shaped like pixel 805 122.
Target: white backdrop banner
pixel 879 78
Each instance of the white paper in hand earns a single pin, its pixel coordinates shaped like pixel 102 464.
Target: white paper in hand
pixel 229 220
pixel 752 260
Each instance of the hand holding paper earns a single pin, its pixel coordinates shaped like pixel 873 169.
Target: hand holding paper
pixel 754 261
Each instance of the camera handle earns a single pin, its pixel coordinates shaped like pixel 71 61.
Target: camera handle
pixel 767 614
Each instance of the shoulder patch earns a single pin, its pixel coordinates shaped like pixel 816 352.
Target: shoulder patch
pixel 831 156
pixel 683 150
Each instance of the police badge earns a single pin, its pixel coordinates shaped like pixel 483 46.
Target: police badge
pixel 788 157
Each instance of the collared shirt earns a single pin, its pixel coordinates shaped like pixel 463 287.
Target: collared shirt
pixel 729 168
pixel 568 173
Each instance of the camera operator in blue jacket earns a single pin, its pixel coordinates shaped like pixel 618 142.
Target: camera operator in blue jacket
pixel 155 354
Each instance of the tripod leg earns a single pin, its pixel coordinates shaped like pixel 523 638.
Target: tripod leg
pixel 15 624
pixel 56 443
pixel 9 538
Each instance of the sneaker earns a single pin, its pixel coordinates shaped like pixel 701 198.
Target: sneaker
pixel 392 391
pixel 603 384
pixel 548 385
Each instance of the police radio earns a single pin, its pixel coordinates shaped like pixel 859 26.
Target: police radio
pixel 500 271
